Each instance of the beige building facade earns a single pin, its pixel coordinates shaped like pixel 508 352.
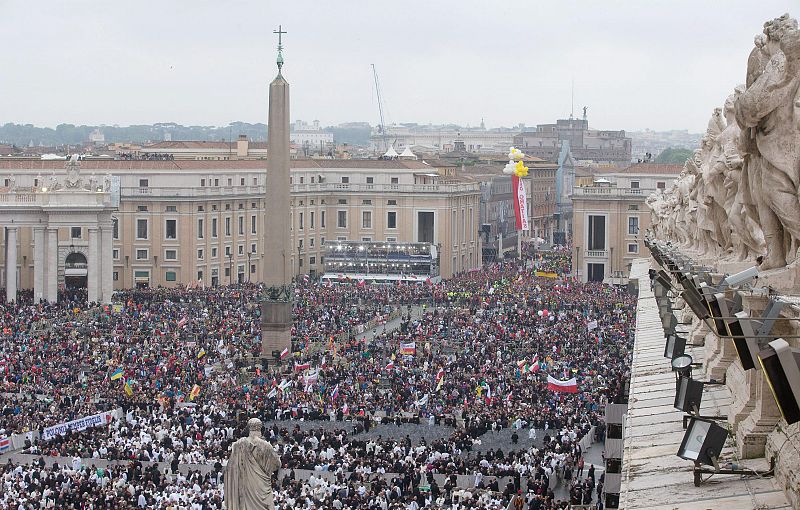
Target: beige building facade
pixel 190 221
pixel 610 217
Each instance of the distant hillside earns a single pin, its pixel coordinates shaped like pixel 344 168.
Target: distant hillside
pixel 22 135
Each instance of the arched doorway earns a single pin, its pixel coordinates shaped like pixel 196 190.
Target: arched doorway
pixel 76 271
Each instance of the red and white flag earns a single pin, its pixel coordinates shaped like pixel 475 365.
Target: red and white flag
pixel 299 367
pixel 568 386
pixel 520 203
pixel 285 353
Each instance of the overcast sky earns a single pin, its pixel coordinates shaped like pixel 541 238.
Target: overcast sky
pixel 635 63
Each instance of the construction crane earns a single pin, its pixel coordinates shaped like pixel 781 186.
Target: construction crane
pixel 382 127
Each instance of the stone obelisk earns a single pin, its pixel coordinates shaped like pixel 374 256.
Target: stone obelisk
pixel 276 305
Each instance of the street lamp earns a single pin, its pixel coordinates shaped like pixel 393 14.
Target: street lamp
pixel 248 266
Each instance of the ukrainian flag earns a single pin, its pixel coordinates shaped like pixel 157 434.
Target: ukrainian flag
pixel 128 389
pixel 117 374
pixel 201 353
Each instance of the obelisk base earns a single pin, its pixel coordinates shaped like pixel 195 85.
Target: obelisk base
pixel 276 327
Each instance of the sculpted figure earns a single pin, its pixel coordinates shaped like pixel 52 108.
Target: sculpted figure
pixel 768 108
pixel 746 238
pixel 248 484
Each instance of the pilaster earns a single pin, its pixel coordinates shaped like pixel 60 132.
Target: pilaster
pixel 38 264
pixel 92 279
pixel 51 268
pixel 11 264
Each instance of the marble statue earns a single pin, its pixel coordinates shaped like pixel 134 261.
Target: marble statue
pixel 738 196
pixel 248 475
pixel 768 107
pixel 107 183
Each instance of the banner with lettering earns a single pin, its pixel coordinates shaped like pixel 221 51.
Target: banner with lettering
pixel 84 423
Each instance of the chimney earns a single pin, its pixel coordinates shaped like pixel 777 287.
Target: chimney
pixel 242 146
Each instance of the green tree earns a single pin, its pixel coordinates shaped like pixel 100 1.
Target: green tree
pixel 674 156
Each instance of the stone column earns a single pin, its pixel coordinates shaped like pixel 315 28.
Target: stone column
pixel 11 264
pixel 51 269
pixel 94 266
pixel 38 264
pixel 106 265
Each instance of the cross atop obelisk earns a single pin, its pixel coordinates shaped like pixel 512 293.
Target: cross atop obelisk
pixel 280 47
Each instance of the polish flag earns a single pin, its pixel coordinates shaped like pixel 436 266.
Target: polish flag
pixel 390 365
pixel 302 366
pixel 439 375
pixel 568 386
pixel 285 353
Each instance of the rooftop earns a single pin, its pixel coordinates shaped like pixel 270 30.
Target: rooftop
pixel 177 165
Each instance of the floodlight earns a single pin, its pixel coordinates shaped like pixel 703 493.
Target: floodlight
pixel 682 364
pixel 750 334
pixel 703 442
pixel 740 278
pixel 696 303
pixel 675 346
pixel 781 366
pixel 688 394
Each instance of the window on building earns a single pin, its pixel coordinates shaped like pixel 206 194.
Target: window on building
pixel 170 276
pixel 391 239
pixel 141 229
pixel 115 228
pixel 345 180
pixel 200 229
pixel 341 219
pixel 366 219
pixel 311 219
pixel 228 226
pixel 366 239
pixel 370 180
pixel 75 232
pixel 312 261
pixel 253 248
pixel 633 225
pixel 143 183
pixel 301 261
pixel 635 184
pixel 596 233
pixel 240 249
pixel 171 230
pixel 213 253
pixel 342 201
pixel 141 255
pixel 661 185
pixel 322 241
pixel 213 227
pixel 366 202
pixel 213 207
pixel 633 248
pixel 216 182
pixel 227 272
pixel 241 181
pixel 170 254
pixel 227 207
pixel 255 181
pixel 115 253
pixel 228 251
pixel 202 182
pixel 395 180
pixel 252 224
pixel 311 242
pixel 300 221
pixel 241 225
pixel 391 202
pixel 252 268
pixel 141 208
pixel 200 208
pixel 199 276
pixel 322 219
pixel 199 254
pixel 300 244
pixel 116 276
pixel 172 208
pixel 391 219
pixel 633 207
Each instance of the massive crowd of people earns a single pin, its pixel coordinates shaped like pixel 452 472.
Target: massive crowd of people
pixel 396 418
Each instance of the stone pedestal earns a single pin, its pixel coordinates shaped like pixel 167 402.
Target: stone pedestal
pixel 785 280
pixel 752 432
pixel 784 446
pixel 276 327
pixel 743 391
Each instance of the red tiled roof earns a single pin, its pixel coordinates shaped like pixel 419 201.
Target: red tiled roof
pixel 177 165
pixel 645 168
